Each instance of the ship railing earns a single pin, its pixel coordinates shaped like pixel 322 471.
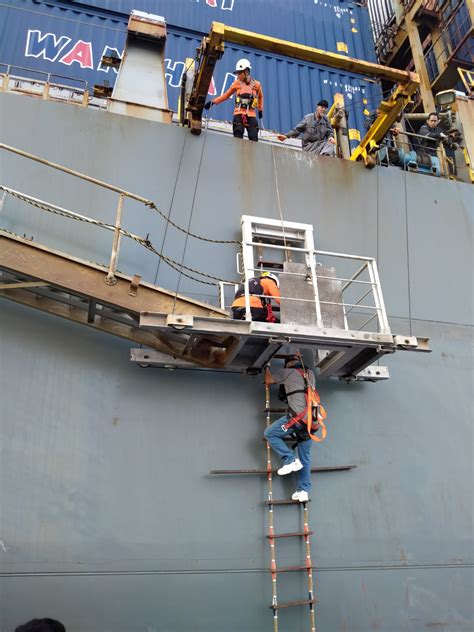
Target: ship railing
pixel 357 294
pixel 116 227
pixel 45 85
pixel 416 157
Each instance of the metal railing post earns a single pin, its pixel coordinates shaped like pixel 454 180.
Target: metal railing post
pixel 378 298
pixel 85 98
pixel 110 278
pixel 6 80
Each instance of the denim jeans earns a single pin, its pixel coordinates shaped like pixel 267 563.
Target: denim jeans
pixel 274 433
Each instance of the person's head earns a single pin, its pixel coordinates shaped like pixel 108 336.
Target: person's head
pixel 293 362
pixel 41 625
pixel 433 120
pixel 273 277
pixel 242 69
pixel 321 108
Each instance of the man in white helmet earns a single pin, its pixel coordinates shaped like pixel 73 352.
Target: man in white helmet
pixel 248 101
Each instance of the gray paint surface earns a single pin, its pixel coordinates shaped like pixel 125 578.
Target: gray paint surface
pixel 110 519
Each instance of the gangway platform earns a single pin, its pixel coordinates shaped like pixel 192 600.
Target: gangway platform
pixel 323 307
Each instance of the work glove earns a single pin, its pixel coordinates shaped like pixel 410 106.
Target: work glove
pixel 208 105
pixel 260 114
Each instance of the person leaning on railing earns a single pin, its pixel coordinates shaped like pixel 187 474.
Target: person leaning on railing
pixel 433 136
pixel 316 132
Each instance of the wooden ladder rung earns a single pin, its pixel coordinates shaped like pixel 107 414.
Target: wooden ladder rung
pixel 285 502
pixel 294 534
pixel 289 604
pixel 292 569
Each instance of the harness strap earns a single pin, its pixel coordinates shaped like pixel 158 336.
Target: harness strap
pixel 312 400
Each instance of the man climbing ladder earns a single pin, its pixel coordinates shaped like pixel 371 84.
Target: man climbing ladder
pixel 304 417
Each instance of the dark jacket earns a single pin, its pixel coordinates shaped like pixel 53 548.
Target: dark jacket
pixel 311 130
pixel 428 145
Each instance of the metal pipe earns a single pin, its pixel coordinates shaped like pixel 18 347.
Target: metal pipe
pixel 342 256
pixel 110 278
pixel 367 321
pixel 361 299
pixel 354 276
pixel 77 174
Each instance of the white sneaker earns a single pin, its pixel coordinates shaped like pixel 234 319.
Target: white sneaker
pixel 294 466
pixel 302 496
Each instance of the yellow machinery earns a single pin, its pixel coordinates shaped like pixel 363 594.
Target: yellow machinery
pixel 212 49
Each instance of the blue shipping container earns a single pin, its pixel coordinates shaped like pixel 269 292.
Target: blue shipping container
pixel 328 24
pixel 46 37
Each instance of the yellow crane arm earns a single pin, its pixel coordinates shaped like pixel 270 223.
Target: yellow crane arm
pixel 212 49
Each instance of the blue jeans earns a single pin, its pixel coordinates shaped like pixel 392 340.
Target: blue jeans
pixel 274 433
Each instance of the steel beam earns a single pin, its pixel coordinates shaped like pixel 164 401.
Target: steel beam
pixel 86 279
pixel 212 49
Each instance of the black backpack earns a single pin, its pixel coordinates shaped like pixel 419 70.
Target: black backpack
pixel 255 287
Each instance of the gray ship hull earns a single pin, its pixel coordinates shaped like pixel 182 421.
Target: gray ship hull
pixel 110 520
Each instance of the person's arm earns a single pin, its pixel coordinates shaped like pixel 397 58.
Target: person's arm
pixel 227 94
pixel 277 377
pixel 329 136
pixel 270 288
pixel 295 132
pixel 260 100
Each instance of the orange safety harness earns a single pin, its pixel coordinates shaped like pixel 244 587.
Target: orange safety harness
pixel 247 97
pixel 314 411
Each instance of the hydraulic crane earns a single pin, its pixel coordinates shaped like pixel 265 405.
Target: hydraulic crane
pixel 213 46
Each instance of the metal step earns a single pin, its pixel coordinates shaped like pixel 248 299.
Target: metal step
pixel 294 534
pixel 332 468
pixel 290 604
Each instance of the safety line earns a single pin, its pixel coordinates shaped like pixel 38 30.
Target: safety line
pixel 278 199
pixel 172 202
pixel 191 214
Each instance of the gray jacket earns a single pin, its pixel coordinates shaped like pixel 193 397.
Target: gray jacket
pixel 311 130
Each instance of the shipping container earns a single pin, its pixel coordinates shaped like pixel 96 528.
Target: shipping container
pixel 334 25
pixel 51 38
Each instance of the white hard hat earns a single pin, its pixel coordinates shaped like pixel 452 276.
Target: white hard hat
pixel 273 277
pixel 243 64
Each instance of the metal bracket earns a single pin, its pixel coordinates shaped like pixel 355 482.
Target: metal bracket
pixel 134 283
pixel 179 321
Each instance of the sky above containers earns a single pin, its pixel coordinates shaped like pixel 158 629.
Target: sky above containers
pixel 69 39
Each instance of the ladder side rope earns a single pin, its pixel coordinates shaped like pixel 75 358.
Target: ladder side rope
pixel 271 531
pixel 309 566
pixel 144 242
pixel 307 542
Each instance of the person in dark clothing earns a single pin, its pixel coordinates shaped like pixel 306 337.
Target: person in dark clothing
pixel 433 136
pixel 259 287
pixel 41 625
pixel 317 133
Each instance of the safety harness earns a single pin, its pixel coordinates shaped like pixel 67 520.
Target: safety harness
pixel 314 411
pixel 247 100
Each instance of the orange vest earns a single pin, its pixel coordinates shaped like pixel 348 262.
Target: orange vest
pixel 252 90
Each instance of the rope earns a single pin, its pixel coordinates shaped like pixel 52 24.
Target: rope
pixel 144 242
pixel 172 202
pixel 278 200
pixel 190 216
